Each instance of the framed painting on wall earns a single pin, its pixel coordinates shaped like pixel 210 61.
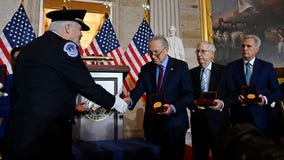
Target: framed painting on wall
pixel 225 23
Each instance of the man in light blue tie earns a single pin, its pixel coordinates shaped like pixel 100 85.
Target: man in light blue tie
pixel 250 70
pixel 209 125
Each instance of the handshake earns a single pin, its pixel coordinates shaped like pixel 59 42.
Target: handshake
pixel 121 105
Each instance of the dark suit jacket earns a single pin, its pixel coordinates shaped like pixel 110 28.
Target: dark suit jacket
pixel 178 88
pixel 214 121
pixel 264 76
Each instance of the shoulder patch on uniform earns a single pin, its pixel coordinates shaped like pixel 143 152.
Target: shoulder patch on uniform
pixel 70 49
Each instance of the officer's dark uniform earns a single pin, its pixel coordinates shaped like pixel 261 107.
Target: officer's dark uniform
pixel 49 74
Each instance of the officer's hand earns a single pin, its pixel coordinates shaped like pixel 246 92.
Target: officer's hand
pixel 120 105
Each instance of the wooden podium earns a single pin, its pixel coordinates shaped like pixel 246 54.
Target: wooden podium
pixel 102 124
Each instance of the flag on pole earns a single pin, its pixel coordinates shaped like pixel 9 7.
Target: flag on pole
pixel 105 44
pixel 136 55
pixel 17 32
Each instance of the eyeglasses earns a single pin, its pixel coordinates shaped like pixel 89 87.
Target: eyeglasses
pixel 248 46
pixel 201 51
pixel 156 53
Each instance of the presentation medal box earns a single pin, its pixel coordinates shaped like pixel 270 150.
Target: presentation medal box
pixel 156 101
pixel 207 99
pixel 250 94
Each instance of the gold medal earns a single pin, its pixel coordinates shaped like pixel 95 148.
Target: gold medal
pixel 157 104
pixel 251 96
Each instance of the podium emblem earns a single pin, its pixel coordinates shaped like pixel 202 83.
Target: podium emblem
pixel 97 112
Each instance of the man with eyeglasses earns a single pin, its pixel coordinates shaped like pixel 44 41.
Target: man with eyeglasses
pixel 168 127
pixel 252 71
pixel 209 122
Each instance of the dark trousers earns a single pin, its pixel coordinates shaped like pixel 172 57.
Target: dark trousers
pixel 171 141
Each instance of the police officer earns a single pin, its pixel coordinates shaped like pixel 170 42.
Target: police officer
pixel 49 74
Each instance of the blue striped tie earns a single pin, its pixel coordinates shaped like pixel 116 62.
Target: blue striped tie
pixel 248 72
pixel 204 80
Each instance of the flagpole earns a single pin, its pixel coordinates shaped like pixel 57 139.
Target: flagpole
pixel 107 5
pixel 64 3
pixel 23 4
pixel 146 7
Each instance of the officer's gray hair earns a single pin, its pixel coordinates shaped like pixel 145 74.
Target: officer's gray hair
pixel 58 26
pixel 255 38
pixel 211 47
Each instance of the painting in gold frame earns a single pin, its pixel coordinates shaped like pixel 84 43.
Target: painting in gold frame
pixel 225 22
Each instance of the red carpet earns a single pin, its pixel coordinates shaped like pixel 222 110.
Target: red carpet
pixel 188 153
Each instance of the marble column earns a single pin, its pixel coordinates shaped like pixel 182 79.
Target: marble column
pixel 164 13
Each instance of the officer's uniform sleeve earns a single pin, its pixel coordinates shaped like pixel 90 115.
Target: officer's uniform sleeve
pixel 73 71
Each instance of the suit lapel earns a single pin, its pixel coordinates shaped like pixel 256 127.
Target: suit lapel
pixel 256 70
pixel 152 75
pixel 198 79
pixel 212 79
pixel 241 71
pixel 167 72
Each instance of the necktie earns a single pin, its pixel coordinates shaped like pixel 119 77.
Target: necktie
pixel 204 80
pixel 161 77
pixel 248 72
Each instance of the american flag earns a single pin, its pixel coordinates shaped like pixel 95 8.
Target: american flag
pixel 105 44
pixel 136 55
pixel 17 32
